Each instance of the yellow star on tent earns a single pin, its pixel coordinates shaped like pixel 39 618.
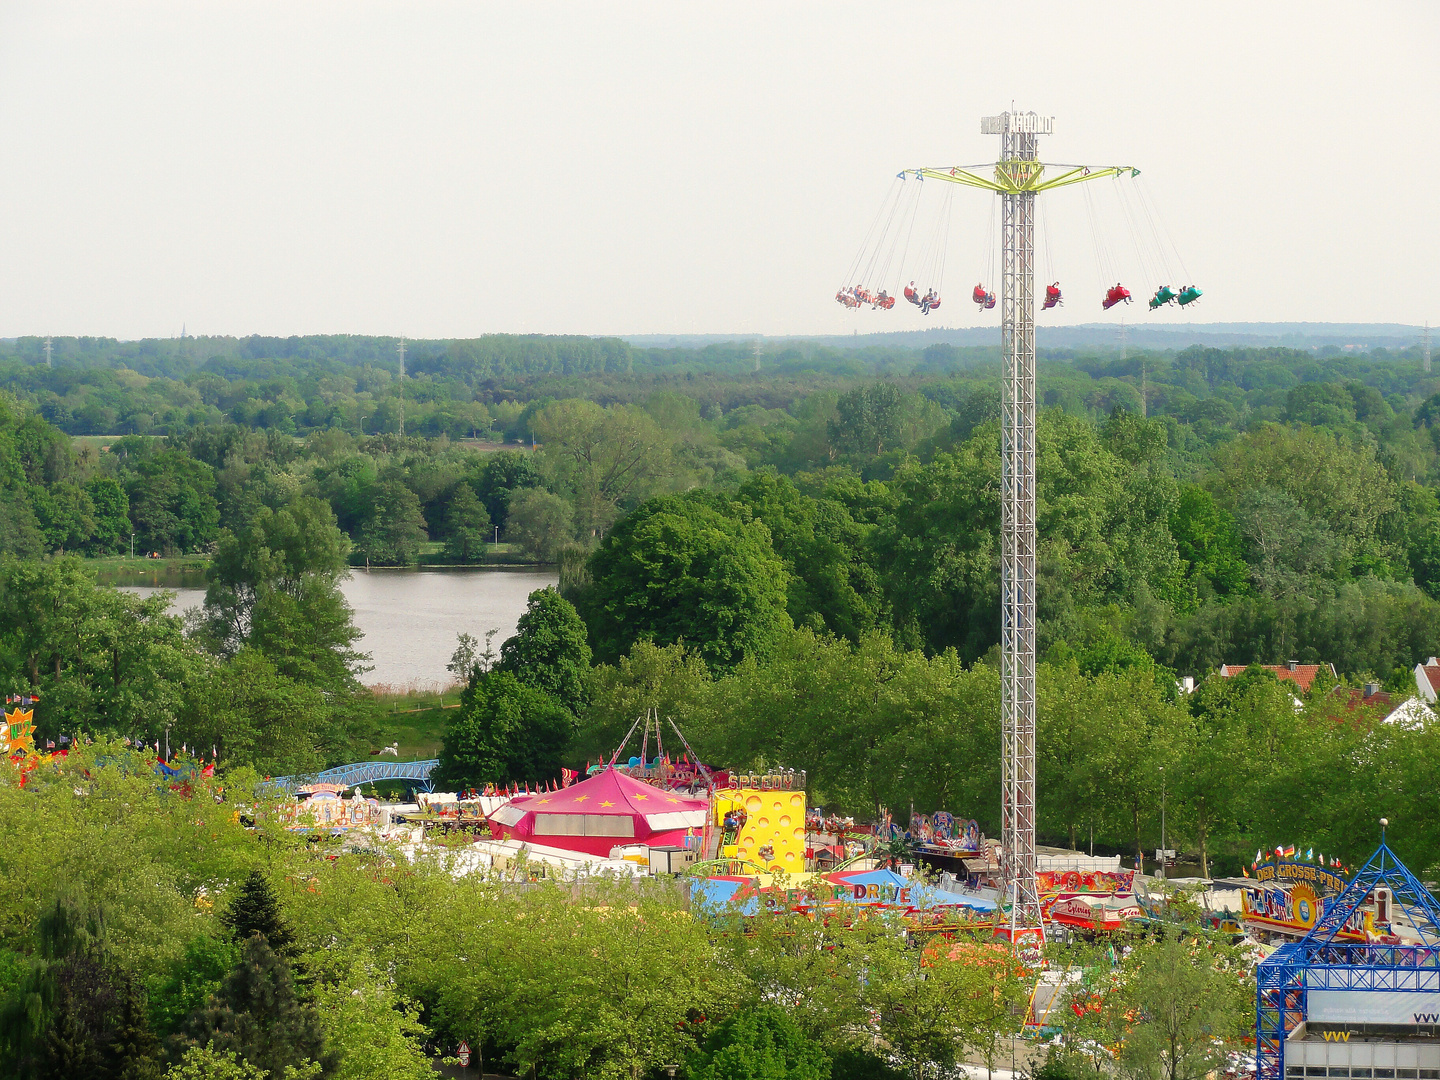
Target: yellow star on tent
pixel 582 798
pixel 603 804
pixel 642 796
pixel 542 802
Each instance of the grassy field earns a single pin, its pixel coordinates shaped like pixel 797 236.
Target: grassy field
pixel 415 721
pixel 186 571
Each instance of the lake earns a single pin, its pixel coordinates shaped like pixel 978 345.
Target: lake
pixel 410 618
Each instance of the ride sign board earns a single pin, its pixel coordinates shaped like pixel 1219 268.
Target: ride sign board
pixel 463 1053
pixel 1029 123
pixel 1373 1006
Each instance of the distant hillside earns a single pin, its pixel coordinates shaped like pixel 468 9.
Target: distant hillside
pixel 1312 336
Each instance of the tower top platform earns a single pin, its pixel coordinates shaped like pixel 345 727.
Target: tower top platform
pixel 1017 123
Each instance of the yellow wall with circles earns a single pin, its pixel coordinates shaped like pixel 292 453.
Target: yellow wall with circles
pixel 773 817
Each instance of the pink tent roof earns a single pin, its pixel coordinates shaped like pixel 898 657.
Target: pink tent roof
pixel 610 792
pixel 655 815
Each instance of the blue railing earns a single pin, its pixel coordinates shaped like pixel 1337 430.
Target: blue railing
pixel 364 772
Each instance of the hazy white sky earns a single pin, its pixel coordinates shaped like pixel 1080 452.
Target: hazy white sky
pixel 452 169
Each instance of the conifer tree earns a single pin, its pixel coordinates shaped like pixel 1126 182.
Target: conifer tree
pixel 257 1015
pixel 255 910
pixel 134 1049
pixel 70 1049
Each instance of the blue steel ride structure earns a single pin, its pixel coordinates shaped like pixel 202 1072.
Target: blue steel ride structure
pixel 1318 961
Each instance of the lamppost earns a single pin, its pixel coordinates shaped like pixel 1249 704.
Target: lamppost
pixel 132 545
pixel 1164 851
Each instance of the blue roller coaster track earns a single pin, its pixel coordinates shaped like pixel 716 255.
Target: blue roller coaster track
pixel 365 772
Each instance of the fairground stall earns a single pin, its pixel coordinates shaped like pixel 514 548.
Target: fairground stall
pixel 1359 994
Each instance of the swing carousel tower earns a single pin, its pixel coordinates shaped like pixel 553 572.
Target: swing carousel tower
pixel 1018 177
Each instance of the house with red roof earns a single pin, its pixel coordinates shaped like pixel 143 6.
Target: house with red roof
pixel 1427 680
pixel 1302 675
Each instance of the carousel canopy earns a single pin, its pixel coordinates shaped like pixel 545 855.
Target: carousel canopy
pixel 603 812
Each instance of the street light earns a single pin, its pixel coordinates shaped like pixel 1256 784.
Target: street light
pixel 1164 851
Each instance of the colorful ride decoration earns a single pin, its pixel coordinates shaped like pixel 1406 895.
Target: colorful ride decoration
pixel 17 736
pixel 326 809
pixel 944 834
pixel 810 894
pixel 17 743
pixel 1088 899
pixel 1290 897
pixel 763 823
pixel 1330 981
pixel 598 814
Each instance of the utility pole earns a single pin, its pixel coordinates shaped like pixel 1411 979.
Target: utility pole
pixel 47 355
pixel 401 350
pixel 1425 350
pixel 755 354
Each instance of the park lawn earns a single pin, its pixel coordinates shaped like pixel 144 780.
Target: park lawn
pixel 415 721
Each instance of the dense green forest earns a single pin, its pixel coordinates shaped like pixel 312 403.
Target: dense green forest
pixel 1260 505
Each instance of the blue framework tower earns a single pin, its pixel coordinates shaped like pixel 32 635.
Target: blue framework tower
pixel 1318 962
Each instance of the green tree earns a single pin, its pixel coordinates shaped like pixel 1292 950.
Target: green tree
pixel 102 660
pixel 111 508
pixel 395 527
pixel 256 1015
pixel 134 1051
pixel 1183 1005
pixel 252 714
pixel 207 1063
pixel 867 419
pixel 467 525
pixel 549 650
pixel 57 1021
pixel 759 1043
pixel 172 502
pixel 540 522
pixel 373 1032
pixel 256 910
pixel 605 460
pixel 1209 542
pixel 681 569
pixel 503 731
pixel 278 551
pixel 833 581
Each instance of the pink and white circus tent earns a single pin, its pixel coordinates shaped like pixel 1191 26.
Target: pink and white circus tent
pixel 606 811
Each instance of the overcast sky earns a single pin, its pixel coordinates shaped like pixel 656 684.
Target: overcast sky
pixel 452 169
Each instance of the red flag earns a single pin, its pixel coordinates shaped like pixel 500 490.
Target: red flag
pixel 209 770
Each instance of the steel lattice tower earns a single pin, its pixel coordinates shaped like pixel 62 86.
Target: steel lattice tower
pixel 1018 177
pixel 1018 153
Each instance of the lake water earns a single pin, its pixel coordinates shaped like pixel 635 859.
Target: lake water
pixel 410 618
